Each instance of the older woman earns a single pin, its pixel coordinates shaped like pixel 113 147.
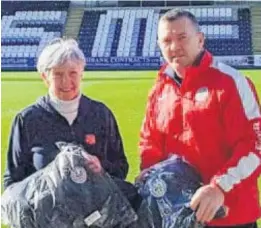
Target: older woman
pixel 64 114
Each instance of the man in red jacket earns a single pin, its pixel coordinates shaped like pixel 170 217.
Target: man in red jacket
pixel 208 113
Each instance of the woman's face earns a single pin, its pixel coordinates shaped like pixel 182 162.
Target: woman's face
pixel 64 80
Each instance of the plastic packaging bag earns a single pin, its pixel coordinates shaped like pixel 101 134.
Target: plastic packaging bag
pixel 66 194
pixel 167 189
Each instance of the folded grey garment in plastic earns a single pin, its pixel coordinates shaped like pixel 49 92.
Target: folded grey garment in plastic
pixel 66 194
pixel 167 190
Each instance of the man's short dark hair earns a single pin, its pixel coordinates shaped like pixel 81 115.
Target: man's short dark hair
pixel 175 14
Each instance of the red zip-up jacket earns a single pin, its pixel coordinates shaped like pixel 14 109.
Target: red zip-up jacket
pixel 213 120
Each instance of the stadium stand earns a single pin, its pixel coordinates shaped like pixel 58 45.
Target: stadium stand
pixel 120 34
pixel 28 25
pixel 133 32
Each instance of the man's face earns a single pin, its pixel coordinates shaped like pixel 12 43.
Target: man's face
pixel 180 42
pixel 64 80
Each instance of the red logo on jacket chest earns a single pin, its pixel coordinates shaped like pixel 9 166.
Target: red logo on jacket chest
pixel 90 139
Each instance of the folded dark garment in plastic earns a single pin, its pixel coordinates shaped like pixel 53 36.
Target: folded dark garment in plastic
pixel 167 190
pixel 66 194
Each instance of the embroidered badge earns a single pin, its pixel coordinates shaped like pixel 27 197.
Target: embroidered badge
pixel 78 175
pixel 202 94
pixel 158 188
pixel 90 139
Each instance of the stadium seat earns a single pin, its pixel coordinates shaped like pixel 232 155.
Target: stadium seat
pixel 30 24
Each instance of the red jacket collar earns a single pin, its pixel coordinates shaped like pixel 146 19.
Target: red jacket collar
pixel 192 71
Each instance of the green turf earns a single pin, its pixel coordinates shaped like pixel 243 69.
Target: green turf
pixel 126 98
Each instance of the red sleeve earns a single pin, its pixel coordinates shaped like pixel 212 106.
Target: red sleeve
pixel 242 124
pixel 151 139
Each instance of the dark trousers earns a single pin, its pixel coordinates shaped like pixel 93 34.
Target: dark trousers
pixel 250 225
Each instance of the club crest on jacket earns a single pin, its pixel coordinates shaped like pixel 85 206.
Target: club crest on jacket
pixel 202 94
pixel 78 175
pixel 159 188
pixel 90 139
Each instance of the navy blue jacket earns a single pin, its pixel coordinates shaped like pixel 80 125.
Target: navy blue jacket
pixel 36 129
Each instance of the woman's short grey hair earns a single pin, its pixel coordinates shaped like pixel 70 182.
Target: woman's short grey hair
pixel 57 52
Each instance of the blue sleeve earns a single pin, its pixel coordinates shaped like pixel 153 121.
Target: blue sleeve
pixel 19 160
pixel 116 163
